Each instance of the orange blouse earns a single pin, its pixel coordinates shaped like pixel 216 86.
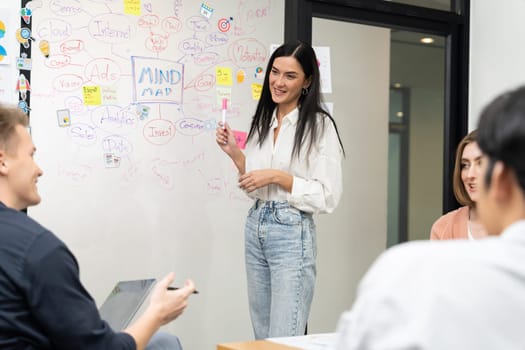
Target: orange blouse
pixel 452 225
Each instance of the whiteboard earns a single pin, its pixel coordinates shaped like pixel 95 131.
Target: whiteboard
pixel 123 116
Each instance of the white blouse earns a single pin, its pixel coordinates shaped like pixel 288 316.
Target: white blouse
pixel 317 177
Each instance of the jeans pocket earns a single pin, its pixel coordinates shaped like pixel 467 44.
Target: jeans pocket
pixel 287 216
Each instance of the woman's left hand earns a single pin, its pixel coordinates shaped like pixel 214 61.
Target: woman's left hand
pixel 256 179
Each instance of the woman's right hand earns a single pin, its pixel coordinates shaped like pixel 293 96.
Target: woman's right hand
pixel 226 139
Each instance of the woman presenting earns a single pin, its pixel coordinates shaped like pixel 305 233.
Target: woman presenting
pixel 291 167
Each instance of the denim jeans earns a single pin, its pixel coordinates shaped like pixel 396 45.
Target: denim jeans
pixel 164 341
pixel 280 252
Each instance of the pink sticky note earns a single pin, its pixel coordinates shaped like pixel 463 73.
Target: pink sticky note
pixel 240 137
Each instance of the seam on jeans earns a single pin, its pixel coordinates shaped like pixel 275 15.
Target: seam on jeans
pixel 261 233
pixel 300 289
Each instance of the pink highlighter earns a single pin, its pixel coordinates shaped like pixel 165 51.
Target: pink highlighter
pixel 224 108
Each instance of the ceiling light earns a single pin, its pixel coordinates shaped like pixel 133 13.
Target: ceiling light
pixel 427 40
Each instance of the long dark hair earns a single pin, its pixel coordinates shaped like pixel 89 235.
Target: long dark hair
pixel 309 104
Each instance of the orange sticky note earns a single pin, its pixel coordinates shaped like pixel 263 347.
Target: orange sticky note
pixel 240 76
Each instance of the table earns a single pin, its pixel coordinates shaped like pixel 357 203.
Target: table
pixel 255 345
pixel 320 341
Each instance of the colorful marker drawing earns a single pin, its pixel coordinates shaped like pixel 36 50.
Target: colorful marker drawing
pixel 2 29
pixel 3 53
pixel 152 74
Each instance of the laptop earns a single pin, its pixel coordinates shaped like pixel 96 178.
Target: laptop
pixel 124 301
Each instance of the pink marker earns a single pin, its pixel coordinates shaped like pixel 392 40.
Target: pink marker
pixel 224 108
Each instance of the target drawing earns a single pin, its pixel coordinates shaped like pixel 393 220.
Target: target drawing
pixel 224 24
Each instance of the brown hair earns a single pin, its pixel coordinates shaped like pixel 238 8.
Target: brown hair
pixel 457 184
pixel 10 117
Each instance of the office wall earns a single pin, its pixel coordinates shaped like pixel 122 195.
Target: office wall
pixel 497 55
pixel 352 237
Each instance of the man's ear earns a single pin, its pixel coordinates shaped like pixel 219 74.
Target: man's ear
pixel 502 182
pixel 3 163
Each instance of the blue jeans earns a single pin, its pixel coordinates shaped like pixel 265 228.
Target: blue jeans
pixel 163 341
pixel 280 251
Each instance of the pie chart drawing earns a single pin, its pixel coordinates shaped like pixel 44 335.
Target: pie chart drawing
pixel 3 53
pixel 2 29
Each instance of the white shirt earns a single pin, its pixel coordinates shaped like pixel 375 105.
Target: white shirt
pixel 317 177
pixel 442 295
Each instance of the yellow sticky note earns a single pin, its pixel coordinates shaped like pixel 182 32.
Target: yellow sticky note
pixel 256 91
pixel 223 76
pixel 92 95
pixel 132 7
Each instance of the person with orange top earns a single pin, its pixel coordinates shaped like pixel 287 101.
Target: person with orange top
pixel 463 223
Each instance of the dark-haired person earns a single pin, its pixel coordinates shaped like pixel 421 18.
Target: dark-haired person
pixel 292 169
pixel 463 223
pixel 455 294
pixel 43 304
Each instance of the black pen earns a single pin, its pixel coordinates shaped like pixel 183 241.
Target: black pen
pixel 175 288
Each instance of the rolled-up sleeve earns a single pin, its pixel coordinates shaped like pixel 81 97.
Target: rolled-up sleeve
pixel 321 190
